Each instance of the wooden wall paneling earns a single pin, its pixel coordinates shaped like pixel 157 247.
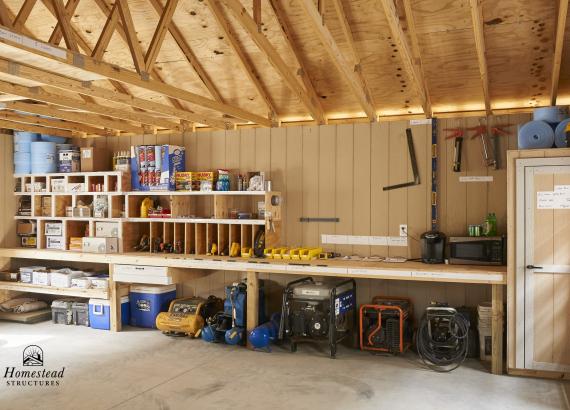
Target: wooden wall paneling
pixel 218 161
pixel 496 192
pixel 455 198
pixel 361 185
pixel 327 185
pixel 203 163
pixel 417 195
pixel 294 194
pixel 344 181
pixel 263 151
pixel 278 157
pixel 399 161
pixel 476 192
pixel 379 168
pixel 310 183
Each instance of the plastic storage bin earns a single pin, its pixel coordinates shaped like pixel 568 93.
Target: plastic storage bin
pixel 148 301
pixel 99 314
pixel 80 311
pixel 61 311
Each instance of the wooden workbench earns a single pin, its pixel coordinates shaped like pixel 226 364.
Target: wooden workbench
pixel 495 276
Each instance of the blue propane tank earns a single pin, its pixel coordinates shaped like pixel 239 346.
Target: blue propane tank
pixel 262 335
pixel 235 335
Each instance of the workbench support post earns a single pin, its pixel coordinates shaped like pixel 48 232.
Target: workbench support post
pixel 497 328
pixel 252 302
pixel 114 302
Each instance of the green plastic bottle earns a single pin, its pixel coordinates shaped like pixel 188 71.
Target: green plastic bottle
pixel 490 225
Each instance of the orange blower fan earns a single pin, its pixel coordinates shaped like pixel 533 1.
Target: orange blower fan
pixel 386 325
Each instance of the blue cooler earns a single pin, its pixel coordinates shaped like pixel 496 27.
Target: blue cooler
pixel 147 301
pixel 100 314
pixel 125 310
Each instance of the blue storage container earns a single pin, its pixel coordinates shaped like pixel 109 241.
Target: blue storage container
pixel 21 136
pixel 148 301
pixel 43 157
pixel 99 314
pixel 125 310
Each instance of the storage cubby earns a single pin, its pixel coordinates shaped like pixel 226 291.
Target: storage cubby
pixel 156 235
pixel 76 183
pixel 61 204
pixel 211 238
pixel 112 183
pixel 246 238
pixel 95 183
pixel 223 239
pixel 189 238
pixel 133 232
pixel 116 206
pixel 200 241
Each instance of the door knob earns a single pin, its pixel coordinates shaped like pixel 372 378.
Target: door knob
pixel 533 267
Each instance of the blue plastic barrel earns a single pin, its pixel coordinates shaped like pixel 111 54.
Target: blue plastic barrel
pixel 43 157
pixel 22 162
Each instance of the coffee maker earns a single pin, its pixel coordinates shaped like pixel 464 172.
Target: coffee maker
pixel 433 247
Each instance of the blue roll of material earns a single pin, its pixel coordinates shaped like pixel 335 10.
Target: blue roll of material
pixel 22 162
pixel 53 138
pixel 560 134
pixel 43 157
pixel 536 134
pixel 550 114
pixel 22 141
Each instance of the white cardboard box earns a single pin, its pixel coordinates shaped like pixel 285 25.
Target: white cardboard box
pixel 54 228
pixel 107 229
pixel 100 245
pixel 41 278
pixel 55 242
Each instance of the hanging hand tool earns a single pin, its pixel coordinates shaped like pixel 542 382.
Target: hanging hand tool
pixel 489 153
pixel 457 134
pixel 486 149
pixel 496 132
pixel 414 163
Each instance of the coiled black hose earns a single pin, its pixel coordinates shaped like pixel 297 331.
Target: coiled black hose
pixel 444 346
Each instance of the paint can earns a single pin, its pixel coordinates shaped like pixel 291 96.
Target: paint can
pixel 69 160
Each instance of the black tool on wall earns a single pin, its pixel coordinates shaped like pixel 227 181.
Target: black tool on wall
pixel 457 135
pixel 414 162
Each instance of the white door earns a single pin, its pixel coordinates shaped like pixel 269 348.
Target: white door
pixel 543 264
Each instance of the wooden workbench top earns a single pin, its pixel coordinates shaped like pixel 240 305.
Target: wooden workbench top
pixel 415 271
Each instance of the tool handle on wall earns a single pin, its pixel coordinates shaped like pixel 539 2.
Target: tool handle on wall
pixel 457 154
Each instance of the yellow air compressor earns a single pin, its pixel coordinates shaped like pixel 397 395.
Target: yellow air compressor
pixel 186 316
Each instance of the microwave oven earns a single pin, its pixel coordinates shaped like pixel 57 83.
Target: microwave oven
pixel 478 250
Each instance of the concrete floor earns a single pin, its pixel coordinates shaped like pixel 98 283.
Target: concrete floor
pixel 143 369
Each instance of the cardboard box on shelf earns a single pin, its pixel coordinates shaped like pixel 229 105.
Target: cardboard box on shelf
pixel 100 245
pixel 55 242
pixel 26 228
pixel 54 228
pixel 94 159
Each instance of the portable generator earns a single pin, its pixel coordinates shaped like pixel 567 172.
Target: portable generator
pixel 442 338
pixel 229 324
pixel 186 316
pixel 386 325
pixel 318 311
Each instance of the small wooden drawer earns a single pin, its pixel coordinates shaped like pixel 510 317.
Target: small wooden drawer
pixel 142 270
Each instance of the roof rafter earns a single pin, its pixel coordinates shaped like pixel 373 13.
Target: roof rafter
pixel 24 13
pixel 244 61
pixel 81 117
pixel 50 122
pixel 558 47
pixel 302 72
pixel 330 46
pixel 161 29
pixel 188 53
pixel 63 15
pixel 132 41
pixel 106 33
pixel 86 88
pixel 310 101
pixel 345 26
pixel 6 16
pixel 12 125
pixel 407 57
pixel 101 69
pixel 48 97
pixel 417 53
pixel 477 20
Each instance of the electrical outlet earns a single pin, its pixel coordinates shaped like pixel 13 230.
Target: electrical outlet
pixel 403 230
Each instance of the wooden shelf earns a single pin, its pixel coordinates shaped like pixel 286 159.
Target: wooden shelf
pixel 52 290
pixel 199 221
pixel 68 193
pixel 69 218
pixel 408 271
pixel 69 174
pixel 198 193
